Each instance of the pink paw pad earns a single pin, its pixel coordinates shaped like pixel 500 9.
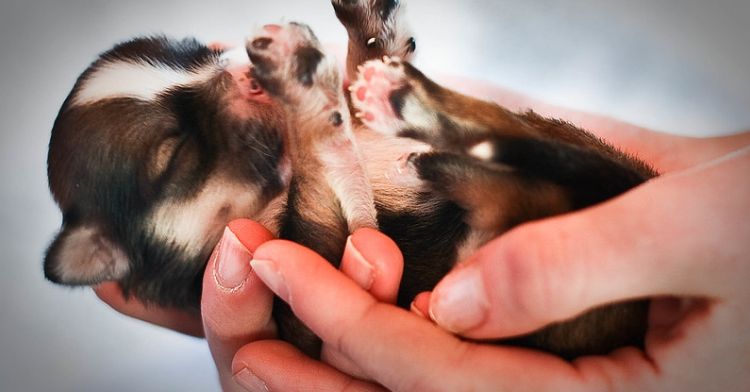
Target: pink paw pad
pixel 371 94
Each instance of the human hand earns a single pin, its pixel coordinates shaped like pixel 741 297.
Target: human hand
pixel 680 238
pixel 392 346
pixel 689 252
pixel 371 262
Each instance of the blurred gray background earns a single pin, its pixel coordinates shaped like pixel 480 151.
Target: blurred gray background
pixel 674 65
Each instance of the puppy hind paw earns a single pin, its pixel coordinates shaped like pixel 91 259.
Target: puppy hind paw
pixel 375 26
pixel 377 95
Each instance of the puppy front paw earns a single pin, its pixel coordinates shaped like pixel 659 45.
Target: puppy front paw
pixel 289 63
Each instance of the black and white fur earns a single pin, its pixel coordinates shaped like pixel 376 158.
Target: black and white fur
pixel 162 142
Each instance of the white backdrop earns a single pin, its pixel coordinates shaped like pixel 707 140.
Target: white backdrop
pixel 674 65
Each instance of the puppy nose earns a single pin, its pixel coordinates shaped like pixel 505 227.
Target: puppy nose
pixel 272 28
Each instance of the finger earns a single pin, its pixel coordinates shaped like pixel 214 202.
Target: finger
pixel 374 261
pixel 236 305
pixel 178 320
pixel 277 366
pixel 421 304
pixel 398 349
pixel 649 242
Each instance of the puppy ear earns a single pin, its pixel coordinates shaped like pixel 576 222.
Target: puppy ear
pixel 82 255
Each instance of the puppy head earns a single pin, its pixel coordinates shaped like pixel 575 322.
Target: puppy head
pixel 157 147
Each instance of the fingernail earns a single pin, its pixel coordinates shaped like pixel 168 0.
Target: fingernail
pixel 356 267
pixel 421 304
pixel 459 303
pixel 415 309
pixel 248 380
pixel 232 265
pixel 269 273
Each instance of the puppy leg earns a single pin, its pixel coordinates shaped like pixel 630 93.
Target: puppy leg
pixel 394 98
pixel 376 28
pixel 330 186
pixel 329 195
pixel 494 197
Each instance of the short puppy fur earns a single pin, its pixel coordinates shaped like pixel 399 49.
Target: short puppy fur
pixel 162 142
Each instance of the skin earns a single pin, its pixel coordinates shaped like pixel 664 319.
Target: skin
pixel 683 235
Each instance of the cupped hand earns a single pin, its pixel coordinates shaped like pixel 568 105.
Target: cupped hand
pixel 391 346
pixel 373 264
pixel 681 238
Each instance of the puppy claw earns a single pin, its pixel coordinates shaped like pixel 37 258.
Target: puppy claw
pixel 404 171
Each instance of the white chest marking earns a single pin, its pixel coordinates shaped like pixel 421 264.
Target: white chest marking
pixel 189 224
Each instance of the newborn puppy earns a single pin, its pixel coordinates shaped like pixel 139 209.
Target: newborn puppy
pixel 161 143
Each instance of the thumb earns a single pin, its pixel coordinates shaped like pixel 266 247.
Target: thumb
pixel 235 305
pixel 651 241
